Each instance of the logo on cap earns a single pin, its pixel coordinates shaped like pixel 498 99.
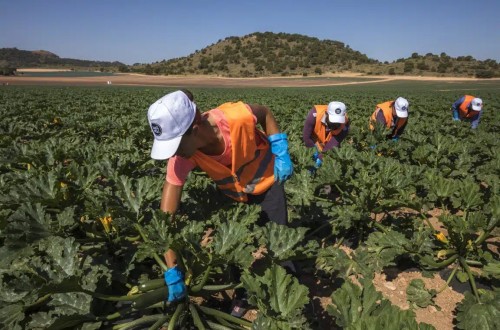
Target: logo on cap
pixel 338 111
pixel 404 108
pixel 156 129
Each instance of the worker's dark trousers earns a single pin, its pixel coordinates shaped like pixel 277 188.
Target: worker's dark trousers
pixel 273 204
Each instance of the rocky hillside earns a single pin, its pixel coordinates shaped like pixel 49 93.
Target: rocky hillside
pixel 282 54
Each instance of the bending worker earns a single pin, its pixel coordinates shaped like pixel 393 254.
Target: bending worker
pixel 325 127
pixel 393 115
pixel 247 164
pixel 468 108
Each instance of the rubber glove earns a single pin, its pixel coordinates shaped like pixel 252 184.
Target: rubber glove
pixel 395 139
pixel 455 116
pixel 283 168
pixel 373 146
pixel 175 282
pixel 315 155
pixel 318 163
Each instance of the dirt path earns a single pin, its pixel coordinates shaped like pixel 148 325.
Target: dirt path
pixel 213 81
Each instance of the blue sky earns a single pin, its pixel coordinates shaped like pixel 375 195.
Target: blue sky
pixel 149 31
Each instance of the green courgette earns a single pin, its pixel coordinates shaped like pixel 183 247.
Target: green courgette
pixel 152 285
pixel 150 298
pixel 199 286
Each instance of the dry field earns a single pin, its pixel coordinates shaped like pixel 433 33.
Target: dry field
pixel 206 81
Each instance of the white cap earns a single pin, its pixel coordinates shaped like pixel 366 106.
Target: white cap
pixel 169 118
pixel 401 105
pixel 336 112
pixel 476 104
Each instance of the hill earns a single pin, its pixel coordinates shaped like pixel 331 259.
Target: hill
pixel 270 54
pixel 16 58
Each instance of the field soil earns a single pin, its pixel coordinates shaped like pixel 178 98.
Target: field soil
pixel 212 81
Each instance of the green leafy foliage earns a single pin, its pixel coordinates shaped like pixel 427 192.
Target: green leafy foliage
pixel 484 315
pixel 362 307
pixel 279 297
pixel 80 225
pixel 418 295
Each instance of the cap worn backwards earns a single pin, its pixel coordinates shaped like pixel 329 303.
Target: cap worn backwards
pixel 401 106
pixel 476 104
pixel 336 112
pixel 169 118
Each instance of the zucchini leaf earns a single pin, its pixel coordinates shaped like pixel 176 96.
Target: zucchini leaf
pixel 472 315
pixel 277 295
pixel 418 295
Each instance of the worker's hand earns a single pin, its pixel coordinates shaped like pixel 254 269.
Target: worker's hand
pixel 373 146
pixel 283 168
pixel 395 139
pixel 315 155
pixel 174 279
pixel 318 163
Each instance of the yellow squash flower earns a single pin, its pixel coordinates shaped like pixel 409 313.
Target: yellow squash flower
pixel 440 236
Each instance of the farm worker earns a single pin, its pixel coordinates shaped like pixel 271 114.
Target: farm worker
pixel 325 127
pixel 393 115
pixel 248 164
pixel 468 108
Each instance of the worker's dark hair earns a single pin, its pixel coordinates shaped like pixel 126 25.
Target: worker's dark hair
pixel 188 94
pixel 197 116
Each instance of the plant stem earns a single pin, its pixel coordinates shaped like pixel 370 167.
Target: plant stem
pixel 473 263
pixel 111 298
pixel 225 316
pixel 448 280
pixel 133 238
pixel 444 263
pixel 339 243
pixel 216 326
pixel 379 227
pixel 159 322
pixel 143 320
pixel 39 302
pixel 471 278
pixel 481 238
pixel 322 199
pixel 114 315
pixel 155 256
pixel 428 222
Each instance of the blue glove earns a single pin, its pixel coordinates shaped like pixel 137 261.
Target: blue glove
pixel 315 155
pixel 395 139
pixel 283 168
pixel 455 116
pixel 373 147
pixel 318 164
pixel 175 282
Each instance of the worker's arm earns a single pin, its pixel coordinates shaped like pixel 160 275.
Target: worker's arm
pixel 170 201
pixel 265 118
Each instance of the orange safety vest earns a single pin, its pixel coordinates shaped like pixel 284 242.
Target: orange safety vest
pixel 252 165
pixel 463 109
pixel 319 132
pixel 386 109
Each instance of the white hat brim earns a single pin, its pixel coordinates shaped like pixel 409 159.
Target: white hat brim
pixel 402 114
pixel 476 108
pixel 165 149
pixel 336 119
